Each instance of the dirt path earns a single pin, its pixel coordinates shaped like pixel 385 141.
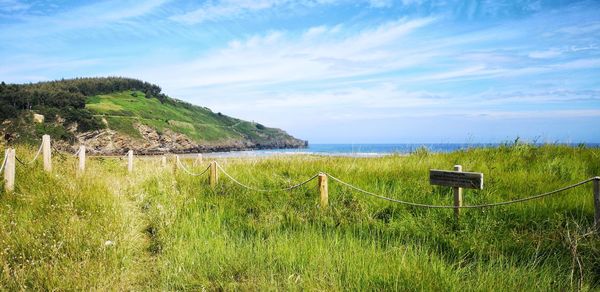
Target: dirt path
pixel 142 273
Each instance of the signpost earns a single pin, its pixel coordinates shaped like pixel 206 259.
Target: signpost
pixel 458 180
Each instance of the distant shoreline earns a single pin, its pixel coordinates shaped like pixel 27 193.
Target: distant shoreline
pixel 355 150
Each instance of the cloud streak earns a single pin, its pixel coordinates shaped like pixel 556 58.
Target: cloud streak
pixel 92 16
pixel 212 11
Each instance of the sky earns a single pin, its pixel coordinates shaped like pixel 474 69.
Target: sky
pixel 335 71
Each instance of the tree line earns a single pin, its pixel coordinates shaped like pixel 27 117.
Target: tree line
pixel 66 98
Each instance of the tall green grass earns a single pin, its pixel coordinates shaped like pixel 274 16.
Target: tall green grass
pixel 173 232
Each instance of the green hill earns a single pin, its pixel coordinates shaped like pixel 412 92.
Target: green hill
pixel 110 115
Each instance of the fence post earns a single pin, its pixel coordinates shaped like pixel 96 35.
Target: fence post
pixel 81 158
pixel 323 190
pixel 177 162
pixel 47 153
pixel 597 203
pixel 130 161
pixel 458 192
pixel 198 160
pixel 164 161
pixel 9 171
pixel 214 177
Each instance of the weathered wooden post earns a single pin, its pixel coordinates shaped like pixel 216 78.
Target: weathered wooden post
pixel 130 161
pixel 323 190
pixel 81 158
pixel 198 160
pixel 9 171
pixel 458 180
pixel 164 161
pixel 458 192
pixel 47 153
pixel 214 177
pixel 597 203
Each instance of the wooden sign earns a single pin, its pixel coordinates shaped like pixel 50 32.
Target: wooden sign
pixel 458 179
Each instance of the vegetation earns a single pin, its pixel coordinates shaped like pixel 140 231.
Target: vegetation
pixel 67 98
pixel 108 230
pixel 124 109
pixel 123 103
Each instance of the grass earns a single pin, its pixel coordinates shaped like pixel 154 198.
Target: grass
pixel 124 109
pixel 173 232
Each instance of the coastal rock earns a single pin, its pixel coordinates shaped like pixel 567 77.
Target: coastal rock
pixel 150 141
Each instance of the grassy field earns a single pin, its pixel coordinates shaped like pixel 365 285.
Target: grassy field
pixel 157 230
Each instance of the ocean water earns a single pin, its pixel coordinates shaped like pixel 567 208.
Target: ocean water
pixel 364 150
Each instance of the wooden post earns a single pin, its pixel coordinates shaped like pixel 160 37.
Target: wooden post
pixel 323 190
pixel 177 162
pixel 457 195
pixel 164 161
pixel 130 161
pixel 214 177
pixel 198 160
pixel 47 153
pixel 597 203
pixel 81 158
pixel 9 171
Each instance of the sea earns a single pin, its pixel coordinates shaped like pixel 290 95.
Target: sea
pixel 369 150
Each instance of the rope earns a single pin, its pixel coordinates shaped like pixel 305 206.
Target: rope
pixel 101 156
pixel 471 206
pixel 265 190
pixel 4 162
pixel 78 150
pixel 108 156
pixel 58 151
pixel 19 161
pixel 191 173
pixel 34 158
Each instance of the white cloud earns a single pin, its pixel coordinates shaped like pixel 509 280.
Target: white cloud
pixel 476 70
pixel 234 9
pixel 278 57
pixel 316 31
pixel 547 54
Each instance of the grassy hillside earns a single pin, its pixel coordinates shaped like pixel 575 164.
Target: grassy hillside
pixel 162 231
pixel 123 110
pixel 139 113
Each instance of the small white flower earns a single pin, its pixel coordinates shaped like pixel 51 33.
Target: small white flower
pixel 109 243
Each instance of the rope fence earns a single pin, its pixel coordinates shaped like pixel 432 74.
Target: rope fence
pixel 213 168
pixel 466 206
pixel 266 190
pixel 189 172
pixel 37 154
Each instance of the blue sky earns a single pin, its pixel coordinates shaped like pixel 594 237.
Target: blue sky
pixel 335 71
